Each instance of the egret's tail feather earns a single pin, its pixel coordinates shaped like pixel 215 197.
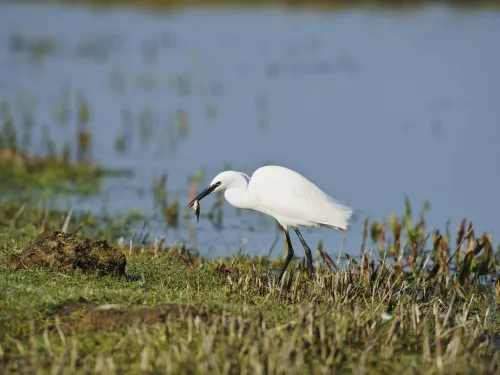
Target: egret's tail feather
pixel 339 219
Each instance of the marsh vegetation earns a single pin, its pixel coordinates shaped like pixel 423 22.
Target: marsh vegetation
pixel 404 311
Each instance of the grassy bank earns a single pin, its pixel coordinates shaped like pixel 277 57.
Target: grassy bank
pixel 172 311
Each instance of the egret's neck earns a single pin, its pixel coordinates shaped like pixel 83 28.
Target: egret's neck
pixel 236 195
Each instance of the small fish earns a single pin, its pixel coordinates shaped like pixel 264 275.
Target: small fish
pixel 196 208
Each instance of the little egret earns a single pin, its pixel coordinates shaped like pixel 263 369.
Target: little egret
pixel 285 195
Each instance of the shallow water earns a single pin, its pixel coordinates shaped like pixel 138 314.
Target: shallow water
pixel 371 106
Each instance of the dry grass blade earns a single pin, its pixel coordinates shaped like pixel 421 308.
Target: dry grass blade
pixel 328 260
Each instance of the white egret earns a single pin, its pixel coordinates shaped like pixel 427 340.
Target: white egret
pixel 285 195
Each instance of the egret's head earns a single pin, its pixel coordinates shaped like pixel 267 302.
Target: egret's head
pixel 222 181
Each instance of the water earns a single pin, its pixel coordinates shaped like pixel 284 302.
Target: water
pixel 371 106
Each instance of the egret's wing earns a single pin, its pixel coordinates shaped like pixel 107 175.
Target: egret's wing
pixel 290 195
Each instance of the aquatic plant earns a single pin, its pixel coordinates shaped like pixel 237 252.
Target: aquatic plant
pixel 169 211
pixel 469 256
pixel 49 167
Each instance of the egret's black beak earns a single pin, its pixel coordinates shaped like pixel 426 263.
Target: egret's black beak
pixel 203 194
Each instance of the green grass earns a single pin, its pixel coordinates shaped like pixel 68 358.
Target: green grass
pixel 174 312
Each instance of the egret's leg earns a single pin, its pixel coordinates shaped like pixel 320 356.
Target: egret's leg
pixel 289 255
pixel 307 250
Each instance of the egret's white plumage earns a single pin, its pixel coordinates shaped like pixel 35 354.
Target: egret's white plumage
pixel 285 195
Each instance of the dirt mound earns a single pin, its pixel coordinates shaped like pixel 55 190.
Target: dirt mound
pixel 115 318
pixel 85 316
pixel 69 252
